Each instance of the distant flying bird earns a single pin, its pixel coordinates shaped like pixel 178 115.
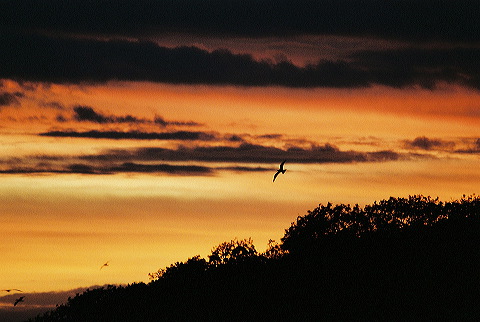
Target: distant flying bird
pixel 105 265
pixel 282 170
pixel 20 299
pixel 13 289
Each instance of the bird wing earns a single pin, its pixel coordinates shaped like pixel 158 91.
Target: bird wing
pixel 281 164
pixel 275 176
pixel 18 300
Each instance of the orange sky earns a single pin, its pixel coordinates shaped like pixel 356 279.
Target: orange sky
pixel 143 138
pixel 262 110
pixel 147 132
pixel 57 229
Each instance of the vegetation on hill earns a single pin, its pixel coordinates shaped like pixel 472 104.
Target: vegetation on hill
pixel 413 258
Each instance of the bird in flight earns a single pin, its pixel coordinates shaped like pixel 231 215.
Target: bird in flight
pixel 13 289
pixel 281 169
pixel 104 265
pixel 20 299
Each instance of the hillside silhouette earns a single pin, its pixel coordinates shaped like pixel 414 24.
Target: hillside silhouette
pixel 414 258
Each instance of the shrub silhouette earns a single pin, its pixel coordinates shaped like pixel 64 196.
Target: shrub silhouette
pixel 232 252
pixel 386 217
pixel 194 266
pixel 414 258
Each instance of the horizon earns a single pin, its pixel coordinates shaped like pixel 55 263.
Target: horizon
pixel 144 138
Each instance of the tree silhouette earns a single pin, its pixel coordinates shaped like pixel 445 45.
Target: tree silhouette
pixel 386 217
pixel 414 258
pixel 193 266
pixel 274 250
pixel 233 251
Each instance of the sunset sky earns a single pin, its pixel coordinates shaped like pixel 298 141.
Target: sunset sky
pixel 146 132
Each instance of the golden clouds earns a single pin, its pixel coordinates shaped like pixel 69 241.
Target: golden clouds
pixel 58 228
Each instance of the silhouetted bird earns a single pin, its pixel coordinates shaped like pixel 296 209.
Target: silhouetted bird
pixel 282 170
pixel 20 299
pixel 13 289
pixel 105 265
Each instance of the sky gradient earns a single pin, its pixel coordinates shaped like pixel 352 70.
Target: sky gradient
pixel 146 132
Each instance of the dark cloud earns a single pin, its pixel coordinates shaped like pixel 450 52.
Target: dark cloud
pixel 128 167
pixel 134 135
pixel 81 168
pixel 414 20
pixel 246 153
pixel 159 160
pixel 112 167
pixel 54 59
pixel 235 138
pixel 60 118
pixel 70 165
pixel 34 170
pixel 247 169
pixel 86 113
pixel 45 299
pixel 53 105
pixel 132 167
pixel 473 148
pixel 162 122
pixel 41 58
pixel 163 168
pixel 425 143
pixel 270 136
pixel 422 67
pixel 7 99
pixel 35 303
